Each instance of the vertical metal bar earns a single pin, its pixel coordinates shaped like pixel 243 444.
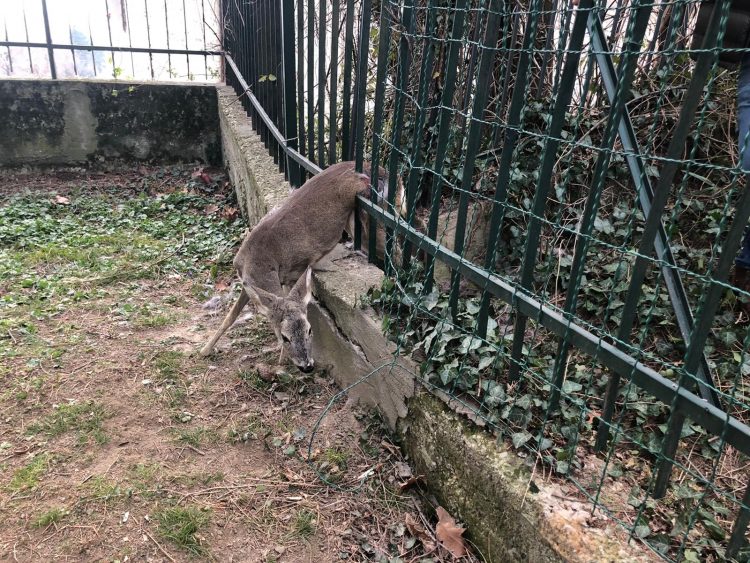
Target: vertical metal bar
pixel 709 306
pixel 126 15
pixel 26 28
pixel 91 42
pixel 669 449
pixel 275 86
pixel 346 141
pixel 631 49
pixel 332 121
pixel 561 50
pixel 115 73
pixel 503 177
pixel 740 527
pixel 509 69
pixel 310 79
pixel 446 100
pixel 321 82
pixel 10 58
pixel 359 102
pixel 148 38
pixel 486 59
pixel 294 172
pixel 549 153
pixel 404 58
pixel 550 31
pixel 249 46
pixel 166 26
pixel 48 34
pixel 184 24
pixel 72 51
pixel 670 168
pixel 203 29
pixel 675 288
pixel 301 76
pixel 377 129
pixel 412 184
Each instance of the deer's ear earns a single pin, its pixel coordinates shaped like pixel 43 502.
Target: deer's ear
pixel 262 299
pixel 302 290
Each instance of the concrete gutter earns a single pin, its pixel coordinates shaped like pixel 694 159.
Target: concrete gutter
pixel 481 483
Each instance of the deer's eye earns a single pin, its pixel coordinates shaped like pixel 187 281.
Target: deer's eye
pixel 283 336
pixel 309 331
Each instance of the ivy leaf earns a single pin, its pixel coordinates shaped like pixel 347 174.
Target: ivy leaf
pixel 520 438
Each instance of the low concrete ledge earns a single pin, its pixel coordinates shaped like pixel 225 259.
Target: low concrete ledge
pixel 476 479
pixel 255 177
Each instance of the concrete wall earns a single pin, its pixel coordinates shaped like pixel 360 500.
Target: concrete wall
pixel 74 121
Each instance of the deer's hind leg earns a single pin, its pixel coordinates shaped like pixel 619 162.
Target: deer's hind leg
pixel 242 300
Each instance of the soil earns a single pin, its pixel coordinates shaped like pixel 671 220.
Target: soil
pixel 221 442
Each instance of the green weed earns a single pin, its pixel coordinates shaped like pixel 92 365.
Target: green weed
pixel 84 418
pixel 181 526
pixel 52 516
pixel 28 476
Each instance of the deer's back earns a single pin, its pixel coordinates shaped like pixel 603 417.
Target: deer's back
pixel 302 230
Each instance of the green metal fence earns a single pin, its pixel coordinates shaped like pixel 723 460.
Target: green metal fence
pixel 575 206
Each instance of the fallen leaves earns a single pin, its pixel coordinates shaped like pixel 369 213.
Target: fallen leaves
pixel 450 535
pixel 62 200
pixel 418 531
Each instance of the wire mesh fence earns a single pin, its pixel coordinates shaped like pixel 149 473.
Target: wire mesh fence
pixel 111 39
pixel 570 264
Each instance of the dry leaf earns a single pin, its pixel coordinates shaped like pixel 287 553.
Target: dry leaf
pixel 229 213
pixel 449 534
pixel 417 530
pixel 62 200
pixel 199 174
pixel 410 482
pixel 210 209
pixel 221 285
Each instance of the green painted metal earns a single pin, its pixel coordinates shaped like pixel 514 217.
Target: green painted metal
pixel 322 83
pixel 503 178
pixel 332 118
pixel 417 162
pixel 484 75
pixel 653 223
pixel 294 172
pixel 384 41
pixel 636 30
pixel 405 53
pixel 446 99
pixel 346 140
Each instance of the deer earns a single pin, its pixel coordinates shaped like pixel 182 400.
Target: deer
pixel 275 260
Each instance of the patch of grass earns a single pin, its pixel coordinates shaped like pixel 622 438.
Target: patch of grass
pixel 52 516
pixel 168 364
pixel 252 429
pixel 337 457
pixel 181 526
pixel 303 524
pixel 100 488
pixel 201 478
pixel 84 418
pixel 145 478
pixel 28 476
pixel 253 380
pixel 195 436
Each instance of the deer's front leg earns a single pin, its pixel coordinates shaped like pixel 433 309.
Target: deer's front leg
pixel 281 351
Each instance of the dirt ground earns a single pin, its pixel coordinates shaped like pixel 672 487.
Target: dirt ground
pixel 118 443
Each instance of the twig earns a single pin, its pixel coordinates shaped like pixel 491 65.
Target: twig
pixel 164 551
pixel 196 450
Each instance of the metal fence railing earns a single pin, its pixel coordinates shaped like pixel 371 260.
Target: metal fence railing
pixel 115 39
pixel 575 205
